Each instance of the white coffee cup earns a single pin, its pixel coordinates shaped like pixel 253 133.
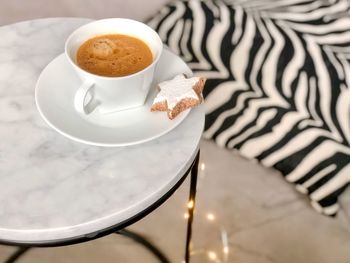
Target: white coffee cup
pixel 110 94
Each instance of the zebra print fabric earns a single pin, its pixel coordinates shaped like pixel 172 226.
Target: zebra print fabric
pixel 278 87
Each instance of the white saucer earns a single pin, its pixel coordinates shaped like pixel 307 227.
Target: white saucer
pixel 54 95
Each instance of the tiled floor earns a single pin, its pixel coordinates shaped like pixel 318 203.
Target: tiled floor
pixel 18 10
pixel 264 219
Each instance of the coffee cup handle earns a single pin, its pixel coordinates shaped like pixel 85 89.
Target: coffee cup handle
pixel 80 97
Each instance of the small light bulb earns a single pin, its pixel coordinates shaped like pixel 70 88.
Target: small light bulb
pixel 226 250
pixel 190 204
pixel 202 166
pixel 210 217
pixel 186 215
pixel 212 255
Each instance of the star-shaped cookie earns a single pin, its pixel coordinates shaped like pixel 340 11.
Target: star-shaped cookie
pixel 178 94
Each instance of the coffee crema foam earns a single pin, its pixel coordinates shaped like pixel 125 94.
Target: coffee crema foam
pixel 114 55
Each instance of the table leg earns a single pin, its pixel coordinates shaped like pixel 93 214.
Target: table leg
pixel 146 243
pixel 20 251
pixel 191 206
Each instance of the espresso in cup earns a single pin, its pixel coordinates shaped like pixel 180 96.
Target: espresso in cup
pixel 91 50
pixel 114 55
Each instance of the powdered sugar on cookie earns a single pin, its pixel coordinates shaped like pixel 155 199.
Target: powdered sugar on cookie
pixel 178 94
pixel 173 91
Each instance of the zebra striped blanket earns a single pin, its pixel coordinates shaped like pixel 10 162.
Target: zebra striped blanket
pixel 278 86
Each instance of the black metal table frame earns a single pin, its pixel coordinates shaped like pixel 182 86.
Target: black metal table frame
pixel 23 247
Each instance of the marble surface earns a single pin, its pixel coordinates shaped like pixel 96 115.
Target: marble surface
pixel 265 219
pixel 53 188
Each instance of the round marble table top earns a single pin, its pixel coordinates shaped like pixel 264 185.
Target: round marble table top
pixel 52 188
